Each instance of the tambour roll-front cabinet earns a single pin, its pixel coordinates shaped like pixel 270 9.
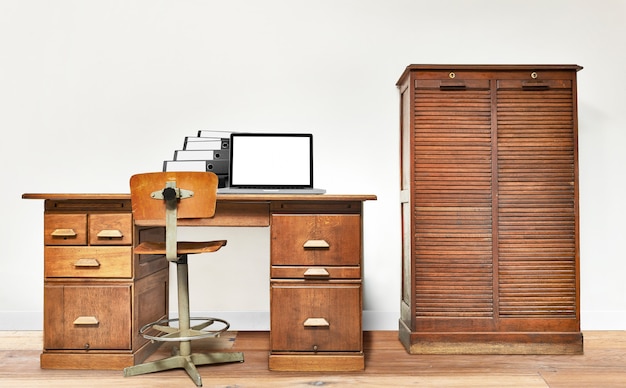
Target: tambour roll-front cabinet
pixel 489 202
pixel 97 294
pixel 315 287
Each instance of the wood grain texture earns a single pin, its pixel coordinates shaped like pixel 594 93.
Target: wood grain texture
pixel 489 209
pixel 387 365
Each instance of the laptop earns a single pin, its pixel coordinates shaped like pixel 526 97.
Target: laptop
pixel 264 163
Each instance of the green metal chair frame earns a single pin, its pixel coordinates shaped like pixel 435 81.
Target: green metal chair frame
pixel 161 199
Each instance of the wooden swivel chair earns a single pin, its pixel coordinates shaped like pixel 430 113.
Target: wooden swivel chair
pixel 161 199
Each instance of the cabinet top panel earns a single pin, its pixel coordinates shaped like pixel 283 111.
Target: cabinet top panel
pixel 485 68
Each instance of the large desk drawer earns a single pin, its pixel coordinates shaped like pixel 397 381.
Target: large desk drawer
pixel 321 317
pixel 87 317
pixel 88 262
pixel 316 239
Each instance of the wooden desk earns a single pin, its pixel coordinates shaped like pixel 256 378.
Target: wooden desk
pixel 97 294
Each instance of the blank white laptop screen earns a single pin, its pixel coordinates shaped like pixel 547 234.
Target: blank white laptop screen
pixel 271 160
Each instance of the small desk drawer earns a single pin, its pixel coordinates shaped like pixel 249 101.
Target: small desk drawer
pixel 111 229
pixel 322 317
pixel 65 229
pixel 315 273
pixel 88 262
pixel 87 317
pixel 319 240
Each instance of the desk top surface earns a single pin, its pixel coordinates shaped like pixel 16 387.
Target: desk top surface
pixel 220 197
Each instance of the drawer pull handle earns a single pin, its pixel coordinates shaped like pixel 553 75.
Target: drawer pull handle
pixel 63 233
pixel 87 263
pixel 110 233
pixel 85 321
pixel 316 273
pixel 316 322
pixel 316 244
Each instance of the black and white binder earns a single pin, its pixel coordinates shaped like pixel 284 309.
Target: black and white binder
pixel 215 166
pixel 207 133
pixel 200 154
pixel 205 143
pixel 207 151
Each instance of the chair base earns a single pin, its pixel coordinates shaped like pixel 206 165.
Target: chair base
pixel 182 357
pixel 188 363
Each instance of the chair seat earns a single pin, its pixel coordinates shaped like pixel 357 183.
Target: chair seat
pixel 182 248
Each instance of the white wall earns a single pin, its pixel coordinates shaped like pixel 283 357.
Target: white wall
pixel 94 91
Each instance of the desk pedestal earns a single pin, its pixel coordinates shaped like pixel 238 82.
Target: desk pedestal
pixel 98 294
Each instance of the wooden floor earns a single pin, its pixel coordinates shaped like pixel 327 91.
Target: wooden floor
pixel 387 365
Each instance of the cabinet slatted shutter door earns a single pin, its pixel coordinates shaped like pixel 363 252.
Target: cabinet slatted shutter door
pixel 536 221
pixel 452 203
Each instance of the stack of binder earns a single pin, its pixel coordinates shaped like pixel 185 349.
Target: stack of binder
pixel 207 151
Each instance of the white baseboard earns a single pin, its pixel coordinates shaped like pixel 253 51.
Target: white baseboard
pixel 21 320
pixel 239 320
pixel 380 320
pixel 603 320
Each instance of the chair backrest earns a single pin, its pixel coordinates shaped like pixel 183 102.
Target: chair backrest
pixel 150 211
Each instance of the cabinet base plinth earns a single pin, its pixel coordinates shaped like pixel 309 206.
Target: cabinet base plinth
pixel 490 343
pixel 316 362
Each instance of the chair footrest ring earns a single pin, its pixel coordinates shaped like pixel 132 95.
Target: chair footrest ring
pixel 174 334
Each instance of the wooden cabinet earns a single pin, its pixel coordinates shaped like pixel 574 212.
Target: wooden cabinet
pixel 489 199
pixel 315 287
pixel 97 294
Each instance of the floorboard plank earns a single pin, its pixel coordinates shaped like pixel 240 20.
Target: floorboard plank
pixel 387 365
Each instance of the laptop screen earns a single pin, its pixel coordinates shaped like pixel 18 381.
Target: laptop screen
pixel 279 160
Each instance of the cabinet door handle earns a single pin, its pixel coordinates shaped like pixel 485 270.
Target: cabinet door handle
pixel 313 244
pixel 534 85
pixel 110 233
pixel 452 85
pixel 63 233
pixel 316 273
pixel 316 322
pixel 85 320
pixel 87 263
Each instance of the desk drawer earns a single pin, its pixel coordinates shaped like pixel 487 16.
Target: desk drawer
pixel 322 317
pixel 111 229
pixel 88 262
pixel 319 240
pixel 87 317
pixel 311 273
pixel 65 229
